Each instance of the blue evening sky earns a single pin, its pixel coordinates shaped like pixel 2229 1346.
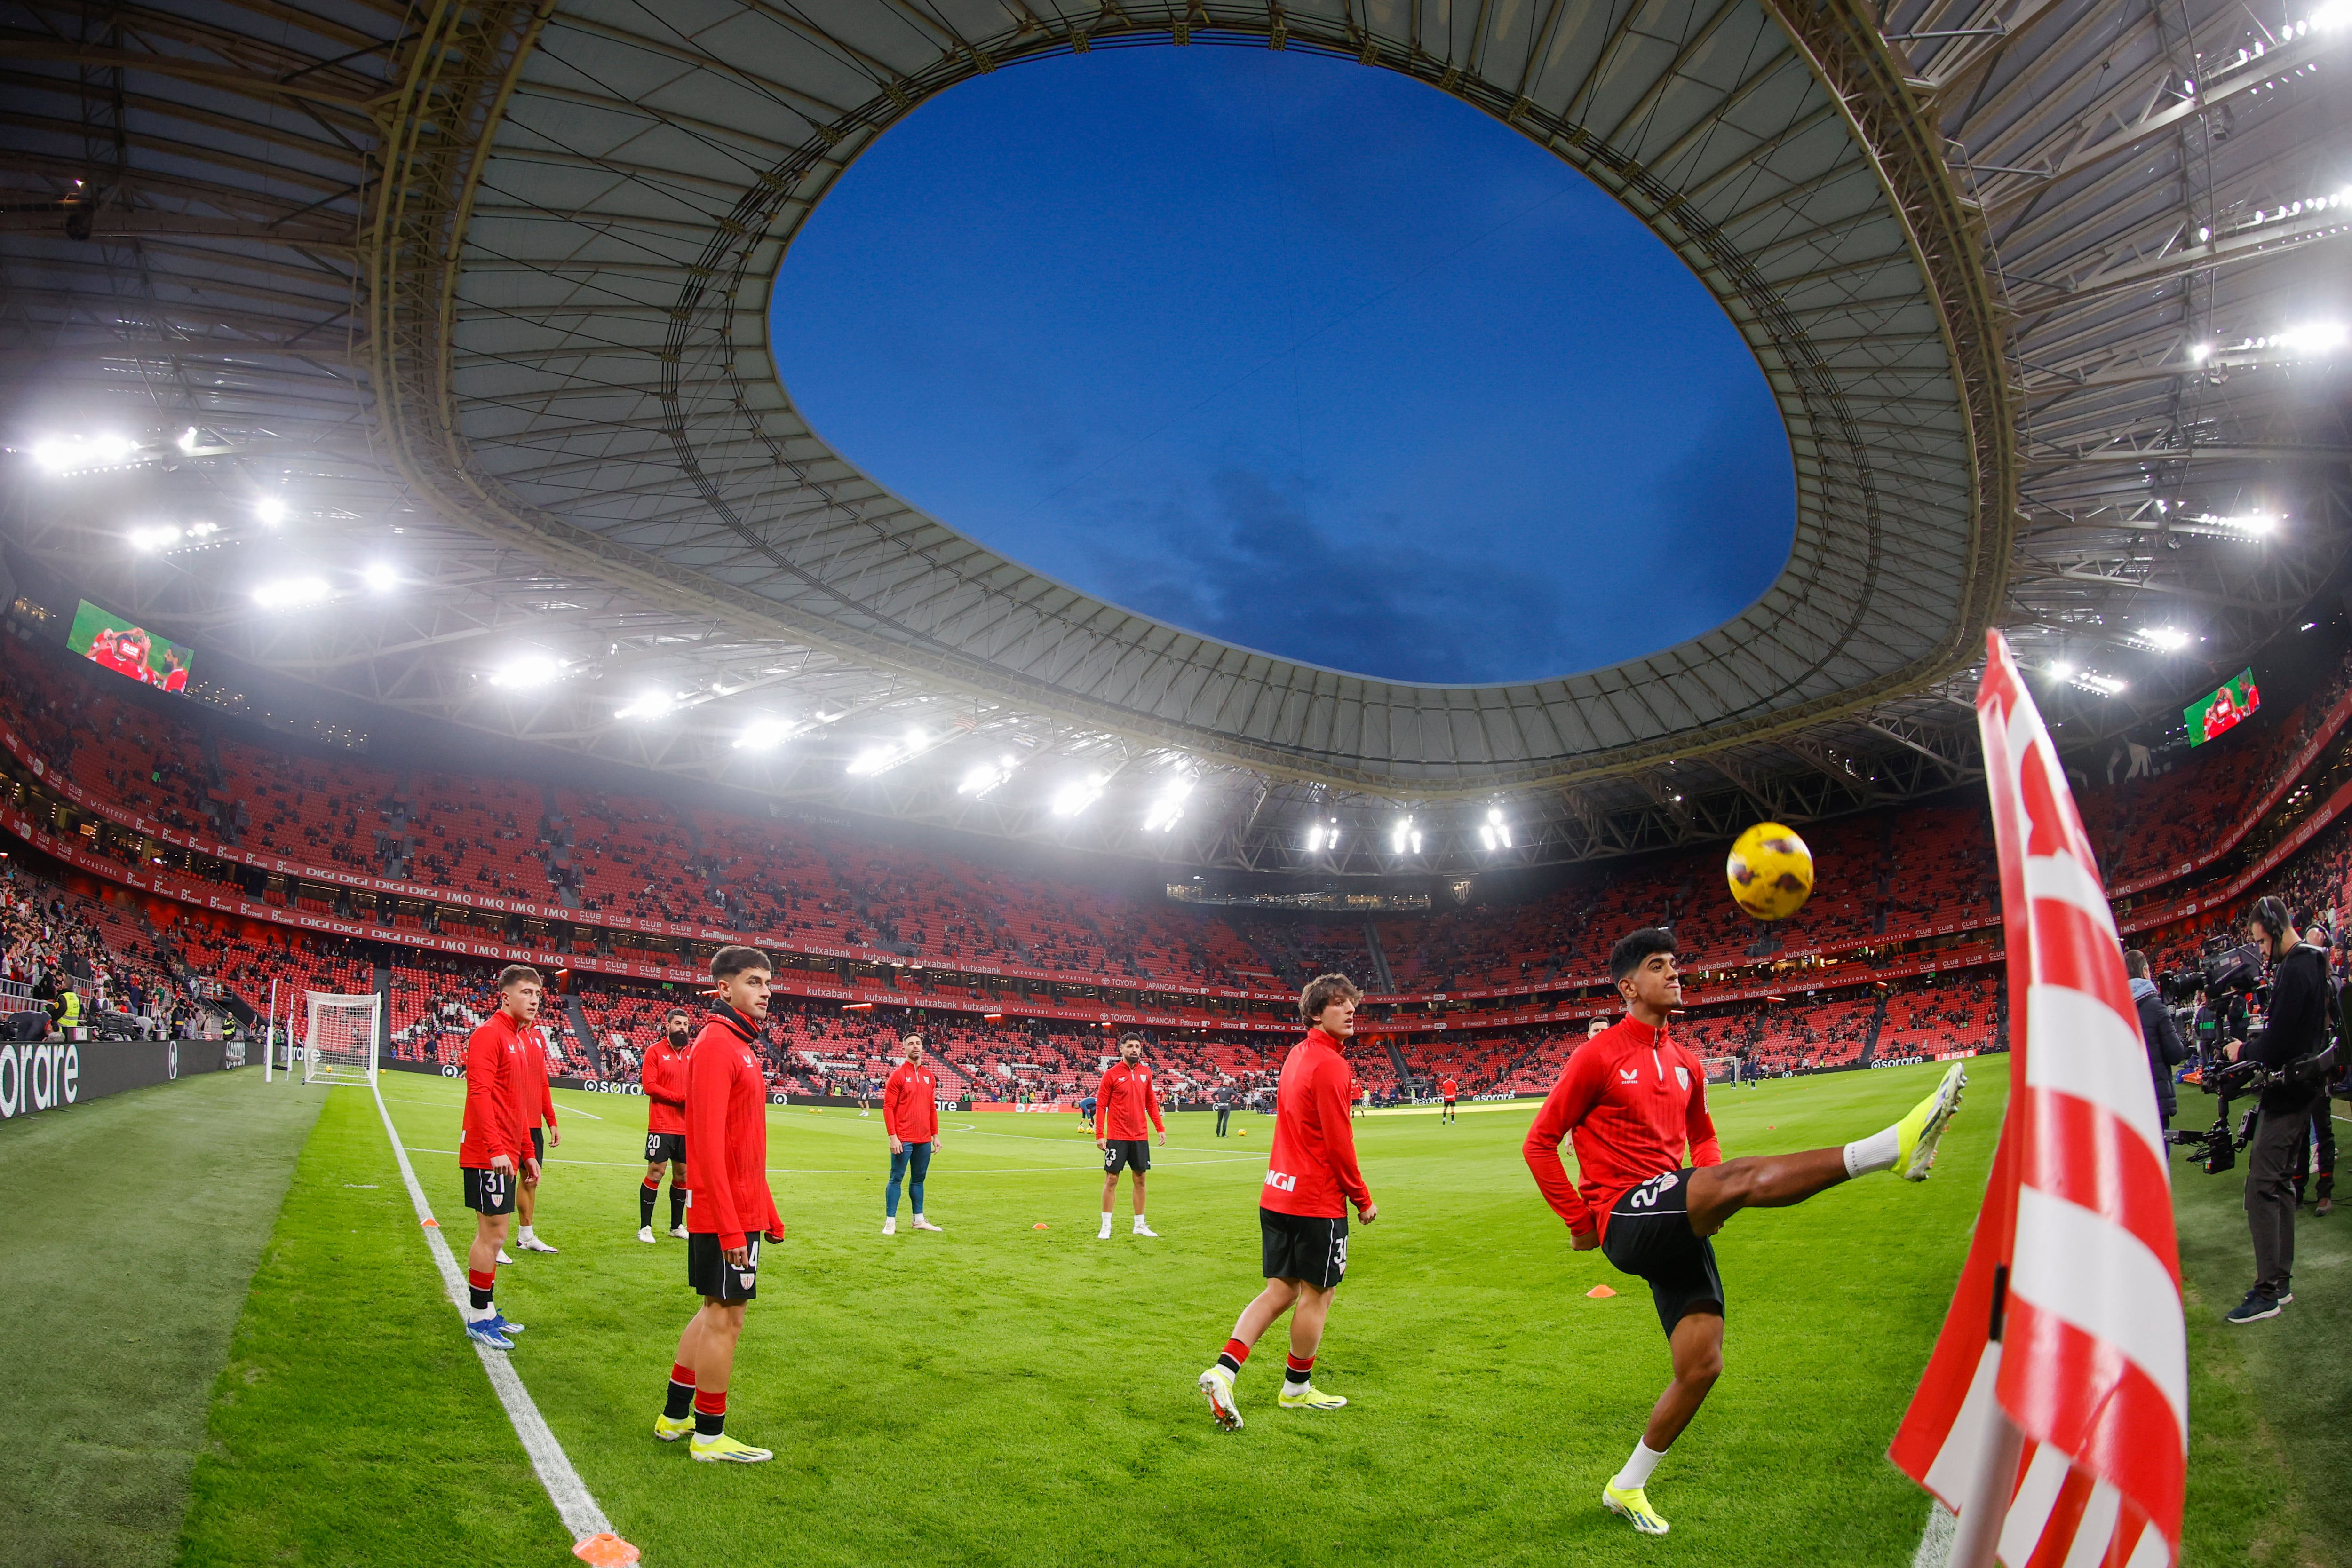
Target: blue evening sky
pixel 1305 356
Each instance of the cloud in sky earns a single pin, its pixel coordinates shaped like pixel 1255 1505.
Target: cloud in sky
pixel 1285 351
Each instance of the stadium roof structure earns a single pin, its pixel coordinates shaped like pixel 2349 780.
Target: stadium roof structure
pixel 449 325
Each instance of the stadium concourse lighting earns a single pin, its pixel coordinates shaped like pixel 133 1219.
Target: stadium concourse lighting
pixel 1495 833
pixel 530 670
pixel 292 592
pixel 1166 811
pixel 1078 794
pixel 270 511
pixel 984 776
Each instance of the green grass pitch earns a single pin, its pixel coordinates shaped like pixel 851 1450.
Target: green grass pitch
pixel 1001 1394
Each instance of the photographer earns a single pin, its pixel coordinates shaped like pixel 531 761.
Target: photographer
pixel 2157 1032
pixel 2296 1035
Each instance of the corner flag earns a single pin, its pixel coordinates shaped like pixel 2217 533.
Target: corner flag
pixel 2056 1403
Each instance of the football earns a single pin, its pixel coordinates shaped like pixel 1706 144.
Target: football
pixel 1770 872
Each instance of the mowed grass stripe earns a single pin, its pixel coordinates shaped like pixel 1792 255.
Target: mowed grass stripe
pixel 352 1424
pixel 134 1222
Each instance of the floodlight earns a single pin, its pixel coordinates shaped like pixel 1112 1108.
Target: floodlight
pixel 292 592
pixel 649 705
pixel 270 511
pixel 2063 670
pixel 1164 812
pixel 2166 638
pixel 381 577
pixel 764 735
pixel 1076 797
pixel 530 670
pixel 79 454
pixel 1400 835
pixel 986 776
pixel 156 537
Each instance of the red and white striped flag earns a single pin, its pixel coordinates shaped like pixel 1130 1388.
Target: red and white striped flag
pixel 2068 1320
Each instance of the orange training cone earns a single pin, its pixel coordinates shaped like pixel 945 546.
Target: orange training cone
pixel 1599 1293
pixel 605 1549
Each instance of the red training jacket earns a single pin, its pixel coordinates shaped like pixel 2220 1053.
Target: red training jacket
pixel 1312 1170
pixel 910 1104
pixel 1634 1099
pixel 1123 1100
pixel 1447 1088
pixel 727 1134
pixel 496 1070
pixel 663 1073
pixel 537 1100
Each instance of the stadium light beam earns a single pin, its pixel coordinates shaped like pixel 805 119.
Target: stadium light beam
pixel 270 511
pixel 381 577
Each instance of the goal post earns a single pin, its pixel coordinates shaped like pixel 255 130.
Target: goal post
pixel 342 1040
pixel 1721 1068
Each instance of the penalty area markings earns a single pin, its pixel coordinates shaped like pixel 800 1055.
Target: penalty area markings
pixel 592 1537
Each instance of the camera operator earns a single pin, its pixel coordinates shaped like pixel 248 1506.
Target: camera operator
pixel 2157 1030
pixel 2296 1032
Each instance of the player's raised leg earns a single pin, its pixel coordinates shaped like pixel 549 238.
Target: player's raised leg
pixel 1635 1103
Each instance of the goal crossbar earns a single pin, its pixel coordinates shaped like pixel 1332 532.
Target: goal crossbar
pixel 342 1037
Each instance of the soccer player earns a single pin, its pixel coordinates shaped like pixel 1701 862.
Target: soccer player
pixel 539 1107
pixel 1446 1090
pixel 493 1148
pixel 1302 1217
pixel 1634 1102
pixel 1594 1025
pixel 911 1114
pixel 1122 1101
pixel 728 1205
pixel 663 1074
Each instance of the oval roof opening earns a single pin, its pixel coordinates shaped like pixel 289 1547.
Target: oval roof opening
pixel 1301 356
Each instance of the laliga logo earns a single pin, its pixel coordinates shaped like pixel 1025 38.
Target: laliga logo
pixel 35 1077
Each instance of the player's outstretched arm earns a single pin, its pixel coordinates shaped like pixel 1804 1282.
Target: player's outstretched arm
pixel 1563 1108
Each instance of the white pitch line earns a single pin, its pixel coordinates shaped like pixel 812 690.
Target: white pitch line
pixel 573 1504
pixel 871 1170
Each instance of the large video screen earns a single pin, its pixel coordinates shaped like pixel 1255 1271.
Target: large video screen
pixel 2224 710
pixel 127 650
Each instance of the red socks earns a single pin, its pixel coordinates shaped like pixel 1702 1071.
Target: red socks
pixel 479 1281
pixel 1297 1368
pixel 709 1412
pixel 1232 1355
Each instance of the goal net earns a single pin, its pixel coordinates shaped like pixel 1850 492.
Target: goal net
pixel 339 1044
pixel 1722 1068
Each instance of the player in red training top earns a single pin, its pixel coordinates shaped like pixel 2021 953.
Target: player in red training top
pixel 1635 1101
pixel 728 1205
pixel 663 1076
pixel 911 1114
pixel 494 1148
pixel 1125 1098
pixel 1446 1091
pixel 539 1109
pixel 1302 1217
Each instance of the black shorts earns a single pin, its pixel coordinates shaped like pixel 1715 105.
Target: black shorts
pixel 539 1145
pixel 716 1280
pixel 1449 1102
pixel 489 1192
pixel 1308 1247
pixel 1127 1154
pixel 665 1147
pixel 1649 1237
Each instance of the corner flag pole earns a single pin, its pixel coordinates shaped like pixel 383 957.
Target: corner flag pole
pixel 269 1035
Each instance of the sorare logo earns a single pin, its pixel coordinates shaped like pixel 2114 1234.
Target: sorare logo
pixel 38 1077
